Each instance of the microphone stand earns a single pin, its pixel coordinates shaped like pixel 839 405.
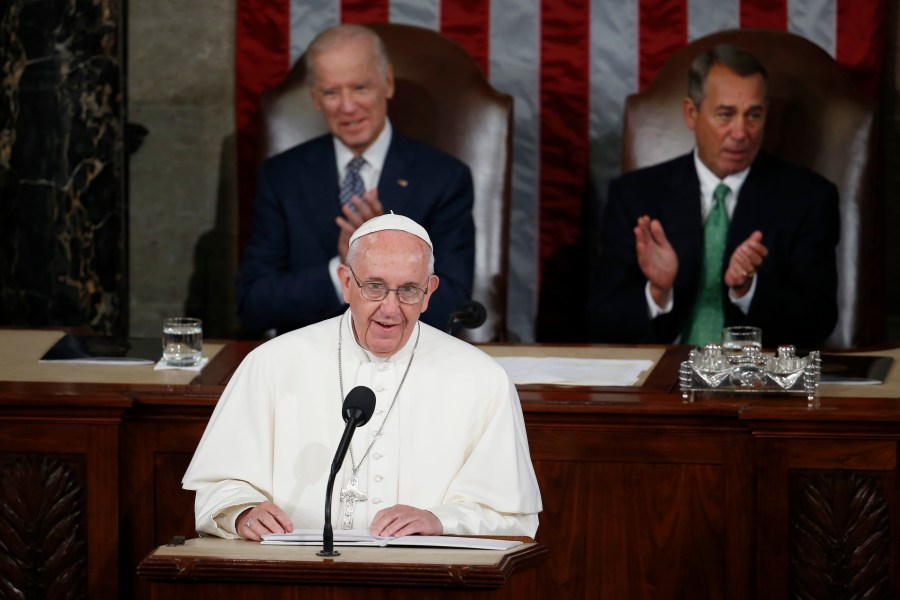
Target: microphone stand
pixel 328 532
pixel 357 408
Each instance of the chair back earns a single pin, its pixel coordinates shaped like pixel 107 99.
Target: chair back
pixel 441 97
pixel 816 119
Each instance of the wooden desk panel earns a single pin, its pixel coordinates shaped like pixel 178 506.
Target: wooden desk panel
pixel 199 570
pixel 646 496
pixel 157 446
pixel 59 503
pixel 655 510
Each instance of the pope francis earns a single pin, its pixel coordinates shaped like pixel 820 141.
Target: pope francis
pixel 444 453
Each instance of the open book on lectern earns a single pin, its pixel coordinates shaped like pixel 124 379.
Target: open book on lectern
pixel 360 537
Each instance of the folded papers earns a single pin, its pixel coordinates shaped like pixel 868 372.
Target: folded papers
pixel 359 537
pixel 551 370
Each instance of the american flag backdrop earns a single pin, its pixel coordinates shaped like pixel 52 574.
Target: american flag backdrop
pixel 569 64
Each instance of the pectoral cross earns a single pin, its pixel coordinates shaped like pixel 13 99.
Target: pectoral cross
pixel 350 495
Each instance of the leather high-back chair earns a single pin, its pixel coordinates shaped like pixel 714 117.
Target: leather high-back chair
pixel 816 119
pixel 441 97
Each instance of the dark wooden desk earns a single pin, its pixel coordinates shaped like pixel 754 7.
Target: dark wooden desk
pixel 220 569
pixel 645 495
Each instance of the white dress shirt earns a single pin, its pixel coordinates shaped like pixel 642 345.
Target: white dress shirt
pixel 708 183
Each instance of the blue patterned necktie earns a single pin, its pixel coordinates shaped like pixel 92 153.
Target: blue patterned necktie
pixel 708 315
pixel 353 183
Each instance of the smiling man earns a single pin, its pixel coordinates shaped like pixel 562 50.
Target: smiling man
pixel 312 197
pixel 445 452
pixel 725 235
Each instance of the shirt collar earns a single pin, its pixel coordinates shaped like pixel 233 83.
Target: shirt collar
pixel 374 154
pixel 709 181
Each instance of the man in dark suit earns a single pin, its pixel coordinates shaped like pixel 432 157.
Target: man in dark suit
pixel 663 277
pixel 312 197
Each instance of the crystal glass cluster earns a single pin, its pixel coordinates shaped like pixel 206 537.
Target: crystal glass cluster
pixel 712 369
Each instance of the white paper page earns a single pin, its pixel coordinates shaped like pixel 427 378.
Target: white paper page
pixel 358 537
pixel 315 536
pixel 573 371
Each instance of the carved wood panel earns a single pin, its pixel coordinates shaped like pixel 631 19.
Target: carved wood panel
pixel 43 540
pixel 840 535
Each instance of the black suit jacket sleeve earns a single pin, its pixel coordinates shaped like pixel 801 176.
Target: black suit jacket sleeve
pixel 617 307
pixel 283 282
pixel 795 301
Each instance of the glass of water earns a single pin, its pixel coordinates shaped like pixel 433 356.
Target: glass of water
pixel 736 338
pixel 182 341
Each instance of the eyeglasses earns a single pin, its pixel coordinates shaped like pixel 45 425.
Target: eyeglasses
pixel 376 292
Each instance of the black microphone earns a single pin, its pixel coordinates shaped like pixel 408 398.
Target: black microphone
pixel 471 315
pixel 357 409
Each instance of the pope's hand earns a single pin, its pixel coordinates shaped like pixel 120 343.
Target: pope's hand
pixel 261 519
pixel 401 519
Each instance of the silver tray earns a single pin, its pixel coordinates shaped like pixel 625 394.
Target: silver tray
pixel 712 369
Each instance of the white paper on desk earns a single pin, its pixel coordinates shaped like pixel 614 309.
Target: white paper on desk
pixel 573 371
pixel 361 537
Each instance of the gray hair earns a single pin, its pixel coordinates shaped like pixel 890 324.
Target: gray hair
pixel 373 239
pixel 333 37
pixel 734 58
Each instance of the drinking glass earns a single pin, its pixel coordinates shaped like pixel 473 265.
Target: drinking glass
pixel 737 337
pixel 182 341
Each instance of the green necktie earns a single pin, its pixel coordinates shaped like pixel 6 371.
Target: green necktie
pixel 708 317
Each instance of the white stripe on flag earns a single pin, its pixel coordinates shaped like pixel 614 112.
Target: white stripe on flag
pixel 308 18
pixel 815 20
pixel 613 76
pixel 423 13
pixel 705 17
pixel 514 66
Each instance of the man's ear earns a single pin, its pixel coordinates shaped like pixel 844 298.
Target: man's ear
pixel 344 276
pixel 433 281
pixel 689 111
pixel 389 82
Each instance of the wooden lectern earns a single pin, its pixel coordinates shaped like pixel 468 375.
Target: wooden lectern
pixel 213 568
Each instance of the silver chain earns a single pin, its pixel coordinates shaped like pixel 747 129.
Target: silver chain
pixel 412 355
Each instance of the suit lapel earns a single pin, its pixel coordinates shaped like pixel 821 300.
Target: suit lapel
pixel 682 219
pixel 398 177
pixel 755 207
pixel 319 180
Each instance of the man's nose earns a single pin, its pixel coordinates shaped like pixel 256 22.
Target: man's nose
pixel 391 303
pixel 347 103
pixel 739 129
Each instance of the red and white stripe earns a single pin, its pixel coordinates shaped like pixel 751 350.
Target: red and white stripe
pixel 569 64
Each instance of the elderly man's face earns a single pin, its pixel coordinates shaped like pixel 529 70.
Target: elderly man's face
pixel 729 123
pixel 393 258
pixel 351 93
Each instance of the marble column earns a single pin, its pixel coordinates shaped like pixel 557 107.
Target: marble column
pixel 63 234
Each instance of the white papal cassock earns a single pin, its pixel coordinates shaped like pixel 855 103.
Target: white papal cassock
pixel 454 443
